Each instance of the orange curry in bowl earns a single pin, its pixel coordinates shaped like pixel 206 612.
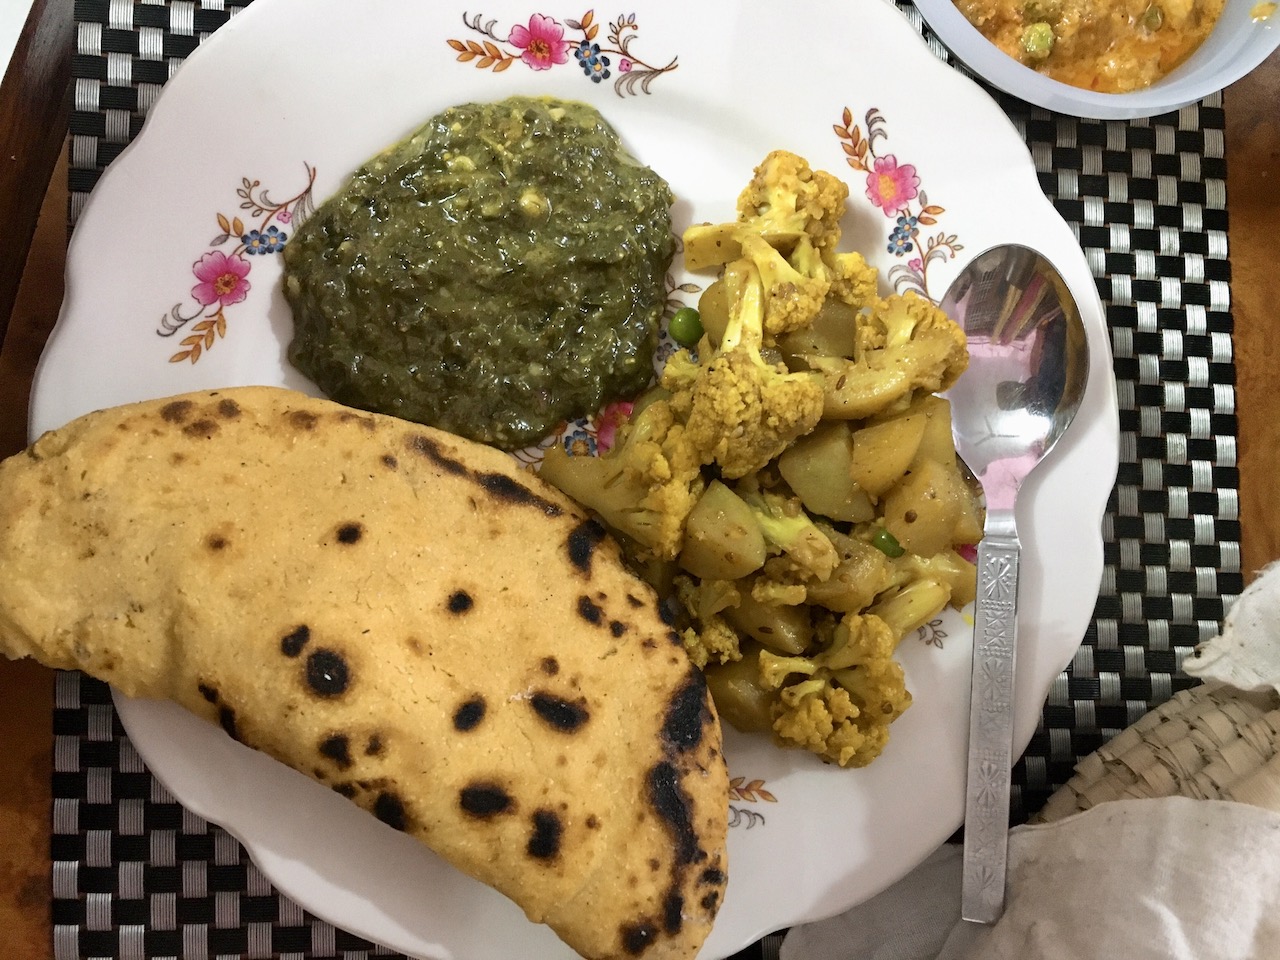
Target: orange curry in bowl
pixel 1111 46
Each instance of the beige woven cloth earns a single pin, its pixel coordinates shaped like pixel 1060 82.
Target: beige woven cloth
pixel 1164 846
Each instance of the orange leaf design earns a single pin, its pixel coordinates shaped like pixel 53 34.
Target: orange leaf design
pixel 847 116
pixel 224 223
pixel 222 324
pixel 237 226
pixel 458 45
pixel 586 20
pixel 201 327
pixel 209 337
pixel 475 48
pixel 484 63
pixel 465 56
pixel 934 210
pixel 492 50
pixel 591 32
pixel 926 220
pixel 498 68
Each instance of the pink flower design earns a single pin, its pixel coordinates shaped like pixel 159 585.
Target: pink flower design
pixel 917 264
pixel 222 279
pixel 624 65
pixel 542 41
pixel 891 187
pixel 608 421
pixel 284 216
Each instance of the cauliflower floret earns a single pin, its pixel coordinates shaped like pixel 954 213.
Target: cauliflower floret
pixel 739 411
pixel 710 637
pixel 791 299
pixel 644 487
pixel 903 344
pixel 840 702
pixel 787 200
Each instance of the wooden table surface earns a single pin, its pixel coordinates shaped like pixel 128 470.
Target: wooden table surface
pixel 26 690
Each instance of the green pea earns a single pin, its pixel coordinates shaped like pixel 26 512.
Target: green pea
pixel 686 327
pixel 1037 41
pixel 887 543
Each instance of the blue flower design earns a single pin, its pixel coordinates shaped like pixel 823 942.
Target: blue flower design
pixel 594 65
pixel 900 241
pixel 579 442
pixel 270 240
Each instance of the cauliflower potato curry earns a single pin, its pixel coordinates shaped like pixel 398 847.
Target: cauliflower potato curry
pixel 1111 46
pixel 790 485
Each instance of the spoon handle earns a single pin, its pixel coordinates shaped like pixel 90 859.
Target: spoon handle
pixel 995 634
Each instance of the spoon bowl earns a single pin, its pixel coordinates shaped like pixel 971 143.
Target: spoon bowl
pixel 1028 367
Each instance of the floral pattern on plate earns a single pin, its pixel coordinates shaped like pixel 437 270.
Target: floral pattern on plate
pixel 222 278
pixel 543 44
pixel 895 188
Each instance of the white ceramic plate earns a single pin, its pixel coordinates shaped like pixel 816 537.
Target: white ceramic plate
pixel 292 90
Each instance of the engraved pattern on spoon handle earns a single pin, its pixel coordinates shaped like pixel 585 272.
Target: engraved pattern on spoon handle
pixel 995 633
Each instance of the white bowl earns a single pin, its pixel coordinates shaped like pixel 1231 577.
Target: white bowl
pixel 1236 46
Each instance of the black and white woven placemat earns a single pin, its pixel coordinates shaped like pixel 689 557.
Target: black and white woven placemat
pixel 135 876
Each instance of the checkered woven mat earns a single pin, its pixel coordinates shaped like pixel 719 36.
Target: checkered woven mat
pixel 136 876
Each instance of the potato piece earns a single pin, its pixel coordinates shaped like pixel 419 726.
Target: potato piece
pixel 830 335
pixel 722 540
pixel 739 697
pixel 922 510
pixel 783 629
pixel 863 572
pixel 883 451
pixel 937 442
pixel 817 466
pixel 713 310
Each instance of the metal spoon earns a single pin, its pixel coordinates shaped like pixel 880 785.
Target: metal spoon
pixel 1028 364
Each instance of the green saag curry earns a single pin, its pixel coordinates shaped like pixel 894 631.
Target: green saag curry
pixel 499 271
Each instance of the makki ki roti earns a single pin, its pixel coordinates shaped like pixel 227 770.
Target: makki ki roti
pixel 400 614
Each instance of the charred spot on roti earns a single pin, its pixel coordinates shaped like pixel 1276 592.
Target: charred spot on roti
pixel 177 411
pixel 634 601
pixel 582 542
pixel 228 409
pixel 348 790
pixel 544 840
pixel 560 714
pixel 460 601
pixel 550 666
pixel 667 611
pixel 593 822
pixel 687 714
pixel 208 692
pixel 426 447
pixel 389 461
pixel 337 747
pixel 638 937
pixel 204 428
pixel 350 532
pixel 374 746
pixel 713 876
pixel 350 416
pixel 389 808
pixel 327 673
pixel 672 912
pixel 302 419
pixel 673 636
pixel 710 900
pixel 484 799
pixel 216 542
pixel 617 627
pixel 469 714
pixel 227 720
pixel 649 643
pixel 291 643
pixel 672 804
pixel 502 487
pixel 588 610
